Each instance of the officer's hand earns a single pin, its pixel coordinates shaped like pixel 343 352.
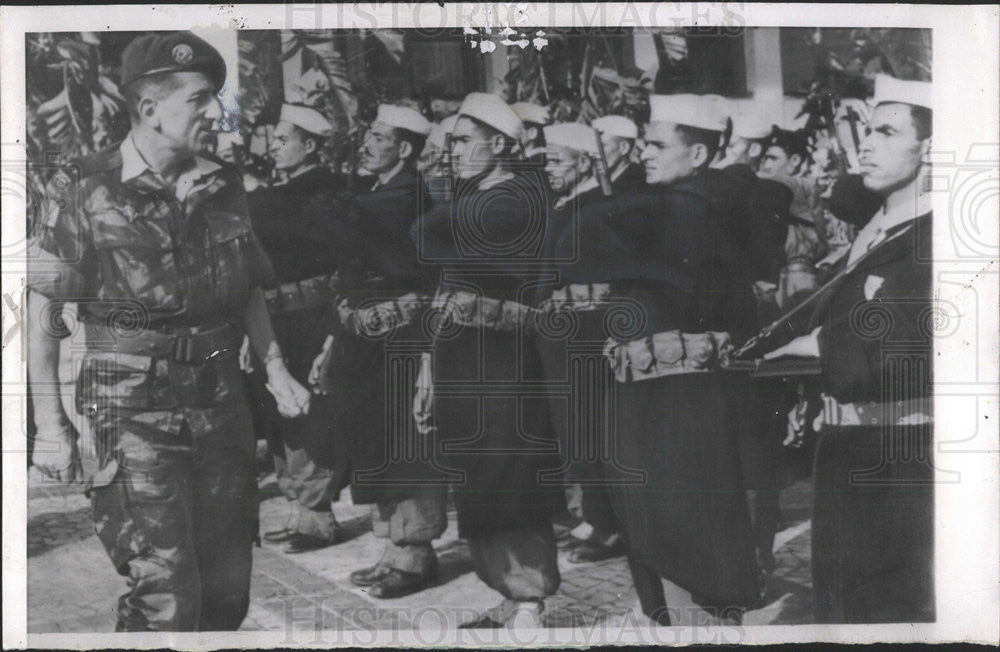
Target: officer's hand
pixel 291 397
pixel 56 455
pixel 246 360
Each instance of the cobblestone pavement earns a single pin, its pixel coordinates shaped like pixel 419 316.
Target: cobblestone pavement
pixel 72 587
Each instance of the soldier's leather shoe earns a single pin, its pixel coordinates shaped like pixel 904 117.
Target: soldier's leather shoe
pixel 304 543
pixel 368 576
pixel 397 583
pixel 591 552
pixel 279 536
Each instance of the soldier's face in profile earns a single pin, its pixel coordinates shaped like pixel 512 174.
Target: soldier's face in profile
pixel 890 155
pixel 380 150
pixel 615 149
pixel 776 161
pixel 737 151
pixel 471 149
pixel 290 147
pixel 666 157
pixel 563 168
pixel 186 116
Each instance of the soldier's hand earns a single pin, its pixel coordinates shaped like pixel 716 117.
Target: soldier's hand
pixel 796 425
pixel 317 366
pixel 806 346
pixel 56 455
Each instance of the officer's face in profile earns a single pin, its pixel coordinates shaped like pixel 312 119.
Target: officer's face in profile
pixel 473 150
pixel 185 112
pixel 564 168
pixel 290 147
pixel 380 150
pixel 890 155
pixel 666 157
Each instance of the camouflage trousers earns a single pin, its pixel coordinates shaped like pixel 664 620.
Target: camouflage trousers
pixel 178 514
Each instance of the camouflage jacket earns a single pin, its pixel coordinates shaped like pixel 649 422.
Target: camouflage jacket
pixel 136 254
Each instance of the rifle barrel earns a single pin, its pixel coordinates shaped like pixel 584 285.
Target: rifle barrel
pixel 602 166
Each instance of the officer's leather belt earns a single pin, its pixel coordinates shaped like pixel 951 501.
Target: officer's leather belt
pixel 463 308
pixel 577 297
pixel 666 354
pixel 299 295
pixel 909 412
pixel 188 346
pixel 382 318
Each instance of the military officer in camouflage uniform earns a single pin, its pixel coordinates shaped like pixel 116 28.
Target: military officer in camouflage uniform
pixel 151 238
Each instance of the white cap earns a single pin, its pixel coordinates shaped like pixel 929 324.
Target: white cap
pixel 530 112
pixel 572 135
pixel 750 119
pixel 306 118
pixel 616 125
pixel 889 89
pixel 403 117
pixel 439 129
pixel 493 111
pixel 701 111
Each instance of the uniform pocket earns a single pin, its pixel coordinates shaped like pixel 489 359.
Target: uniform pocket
pixel 114 380
pixel 230 246
pixel 136 260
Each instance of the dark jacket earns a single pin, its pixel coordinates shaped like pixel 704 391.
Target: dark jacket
pixel 295 234
pixel 867 336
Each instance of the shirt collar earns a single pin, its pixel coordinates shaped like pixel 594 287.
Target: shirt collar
pixel 133 165
pixel 393 173
pixel 886 219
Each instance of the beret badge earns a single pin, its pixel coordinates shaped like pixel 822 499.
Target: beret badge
pixel 183 54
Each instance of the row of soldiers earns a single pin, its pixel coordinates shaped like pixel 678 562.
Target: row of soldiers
pixel 510 304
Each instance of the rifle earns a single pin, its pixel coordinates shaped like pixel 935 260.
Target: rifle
pixel 731 361
pixel 853 118
pixel 446 156
pixel 447 180
pixel 602 166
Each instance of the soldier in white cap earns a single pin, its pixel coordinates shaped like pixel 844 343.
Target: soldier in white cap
pixel 751 129
pixel 572 156
pixel 571 162
pixel 535 118
pixel 873 525
pixel 381 288
pixel 671 252
pixel 297 239
pixel 619 135
pixel 434 164
pixel 488 244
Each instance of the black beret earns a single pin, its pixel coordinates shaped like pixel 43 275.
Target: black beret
pixel 171 52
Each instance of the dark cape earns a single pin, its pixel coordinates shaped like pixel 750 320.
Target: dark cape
pixel 364 425
pixel 873 523
pixel 492 423
pixel 300 243
pixel 669 255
